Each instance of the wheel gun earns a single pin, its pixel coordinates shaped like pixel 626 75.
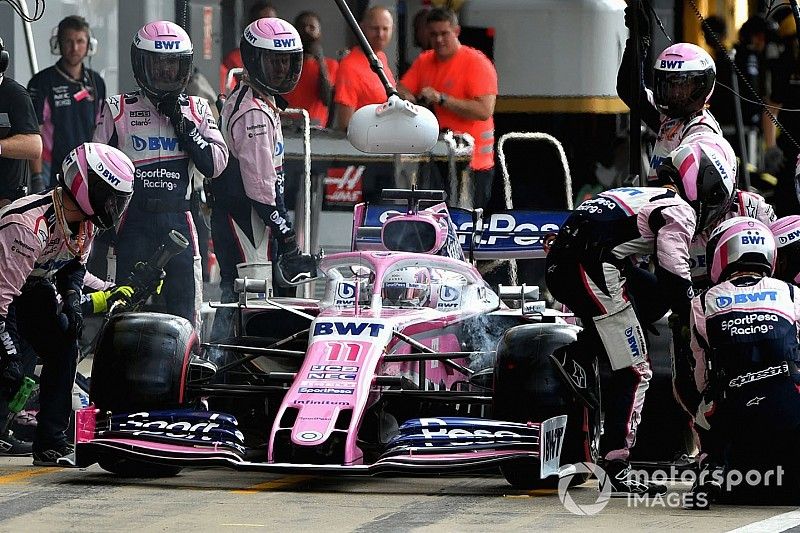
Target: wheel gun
pixel 147 276
pixel 18 402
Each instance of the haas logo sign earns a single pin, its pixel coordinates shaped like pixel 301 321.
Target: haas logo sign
pixel 343 185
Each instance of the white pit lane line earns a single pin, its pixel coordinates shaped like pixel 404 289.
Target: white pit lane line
pixel 774 524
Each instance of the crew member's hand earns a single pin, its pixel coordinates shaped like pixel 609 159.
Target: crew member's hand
pixel 10 373
pixel 102 300
pixel 172 109
pixel 74 315
pixel 644 21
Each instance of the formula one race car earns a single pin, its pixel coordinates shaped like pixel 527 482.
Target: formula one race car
pixel 409 363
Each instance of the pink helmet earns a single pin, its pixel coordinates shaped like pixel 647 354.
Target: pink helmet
pixel 272 53
pixel 99 179
pixel 704 175
pixel 161 56
pixel 740 244
pixel 684 76
pixel 787 235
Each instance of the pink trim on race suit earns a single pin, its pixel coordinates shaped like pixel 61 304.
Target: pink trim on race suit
pixel 121 108
pixel 690 185
pixel 589 291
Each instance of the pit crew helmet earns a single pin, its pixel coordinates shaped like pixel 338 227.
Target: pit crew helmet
pixel 786 231
pixel 161 55
pixel 99 179
pixel 272 53
pixel 740 244
pixel 406 287
pixel 704 172
pixel 684 76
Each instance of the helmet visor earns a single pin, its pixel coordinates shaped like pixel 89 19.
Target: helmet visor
pixel 276 72
pixel 107 202
pixel 165 73
pixel 679 94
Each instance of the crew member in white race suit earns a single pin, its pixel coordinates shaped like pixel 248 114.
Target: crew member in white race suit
pixel 744 339
pixel 683 77
pixel 167 135
pixel 249 209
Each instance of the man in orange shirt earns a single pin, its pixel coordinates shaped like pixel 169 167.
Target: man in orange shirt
pixel 356 84
pixel 314 91
pixel 233 59
pixel 461 85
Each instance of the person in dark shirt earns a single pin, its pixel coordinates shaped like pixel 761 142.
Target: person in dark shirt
pixel 66 98
pixel 19 134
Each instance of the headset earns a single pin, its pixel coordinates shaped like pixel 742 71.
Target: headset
pixel 3 57
pixel 55 36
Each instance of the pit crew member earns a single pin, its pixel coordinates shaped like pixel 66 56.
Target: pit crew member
pixel 786 231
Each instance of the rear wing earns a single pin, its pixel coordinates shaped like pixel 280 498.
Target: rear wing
pixel 511 234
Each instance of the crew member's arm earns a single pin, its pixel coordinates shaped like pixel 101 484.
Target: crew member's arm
pixel 476 108
pixel 325 87
pixel 648 111
pixel 671 223
pixel 23 140
pixel 198 134
pixel 346 96
pixel 699 343
pixel 105 131
pixel 253 135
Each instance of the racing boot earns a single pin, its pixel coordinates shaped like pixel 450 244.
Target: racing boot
pixel 11 446
pixel 707 487
pixel 295 268
pixel 580 372
pixel 623 483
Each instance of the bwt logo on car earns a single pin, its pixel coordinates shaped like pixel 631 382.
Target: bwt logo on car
pixel 665 63
pixel 347 328
pixel 435 429
pixel 552 443
pixel 753 297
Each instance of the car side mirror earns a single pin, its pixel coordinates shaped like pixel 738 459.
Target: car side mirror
pixel 396 127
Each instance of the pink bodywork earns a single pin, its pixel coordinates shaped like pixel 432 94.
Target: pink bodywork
pixel 359 358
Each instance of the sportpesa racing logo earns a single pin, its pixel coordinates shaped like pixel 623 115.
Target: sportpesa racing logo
pixel 159 178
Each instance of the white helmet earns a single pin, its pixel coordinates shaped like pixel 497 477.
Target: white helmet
pixel 740 244
pixel 407 287
pixel 161 55
pixel 683 76
pixel 272 53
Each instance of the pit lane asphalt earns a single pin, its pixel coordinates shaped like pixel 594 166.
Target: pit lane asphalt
pixel 58 499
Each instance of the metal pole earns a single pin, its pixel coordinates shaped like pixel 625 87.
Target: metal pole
pixel 635 148
pixel 374 62
pixel 34 63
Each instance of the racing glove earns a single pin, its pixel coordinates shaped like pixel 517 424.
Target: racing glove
pixel 10 372
pixel 100 301
pixel 69 282
pixel 188 134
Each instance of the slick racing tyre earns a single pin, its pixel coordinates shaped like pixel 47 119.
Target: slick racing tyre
pixel 528 388
pixel 141 362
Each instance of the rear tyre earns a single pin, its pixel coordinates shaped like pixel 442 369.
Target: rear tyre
pixel 141 362
pixel 527 388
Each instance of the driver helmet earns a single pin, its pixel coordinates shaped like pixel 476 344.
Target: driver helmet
pixel 684 76
pixel 704 171
pixel 161 55
pixel 272 53
pixel 99 179
pixel 786 231
pixel 407 287
pixel 740 244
